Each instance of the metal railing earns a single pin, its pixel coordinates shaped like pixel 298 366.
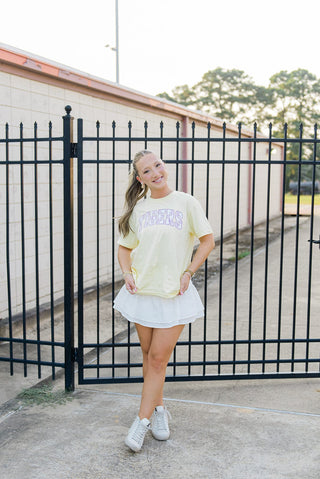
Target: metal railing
pixel 18 161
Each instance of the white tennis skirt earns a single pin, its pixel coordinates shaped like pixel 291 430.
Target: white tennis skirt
pixel 157 312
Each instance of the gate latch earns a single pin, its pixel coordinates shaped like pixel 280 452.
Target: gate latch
pixel 315 241
pixel 74 150
pixel 74 355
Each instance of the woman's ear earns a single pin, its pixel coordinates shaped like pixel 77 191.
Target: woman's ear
pixel 139 179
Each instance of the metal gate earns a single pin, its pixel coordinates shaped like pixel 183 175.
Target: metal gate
pixel 260 286
pixel 261 301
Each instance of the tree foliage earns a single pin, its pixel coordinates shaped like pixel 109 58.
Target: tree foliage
pixel 232 95
pixel 296 99
pixel 291 98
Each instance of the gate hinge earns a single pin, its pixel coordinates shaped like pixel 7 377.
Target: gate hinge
pixel 74 150
pixel 74 355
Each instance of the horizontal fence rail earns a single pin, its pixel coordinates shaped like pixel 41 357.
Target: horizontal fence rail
pixel 59 205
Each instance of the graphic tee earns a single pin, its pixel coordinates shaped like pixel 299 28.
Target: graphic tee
pixel 161 237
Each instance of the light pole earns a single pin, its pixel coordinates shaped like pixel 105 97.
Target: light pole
pixel 117 42
pixel 116 48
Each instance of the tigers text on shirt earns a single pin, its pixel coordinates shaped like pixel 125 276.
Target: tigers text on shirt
pixel 162 216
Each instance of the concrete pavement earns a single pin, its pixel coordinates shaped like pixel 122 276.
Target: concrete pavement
pixel 223 430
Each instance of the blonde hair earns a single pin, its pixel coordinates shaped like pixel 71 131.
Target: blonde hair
pixel 134 193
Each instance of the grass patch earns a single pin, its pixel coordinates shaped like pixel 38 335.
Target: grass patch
pixel 304 199
pixel 44 396
pixel 241 255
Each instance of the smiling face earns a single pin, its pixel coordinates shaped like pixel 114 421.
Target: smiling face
pixel 152 172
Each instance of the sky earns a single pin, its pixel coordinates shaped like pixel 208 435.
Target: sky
pixel 166 43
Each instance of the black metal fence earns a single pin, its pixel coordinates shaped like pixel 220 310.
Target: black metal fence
pixel 259 286
pixel 23 340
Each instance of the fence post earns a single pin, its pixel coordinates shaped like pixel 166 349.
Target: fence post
pixel 68 249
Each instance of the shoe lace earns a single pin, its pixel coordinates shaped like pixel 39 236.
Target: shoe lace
pixel 140 431
pixel 162 419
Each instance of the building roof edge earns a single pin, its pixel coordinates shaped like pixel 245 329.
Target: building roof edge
pixel 43 66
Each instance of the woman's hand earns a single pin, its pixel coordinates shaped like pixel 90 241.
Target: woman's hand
pixel 124 257
pixel 130 284
pixel 206 245
pixel 184 282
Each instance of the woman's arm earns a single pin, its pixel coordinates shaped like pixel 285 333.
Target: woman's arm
pixel 205 247
pixel 124 258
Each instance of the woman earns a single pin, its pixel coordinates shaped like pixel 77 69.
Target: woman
pixel 155 249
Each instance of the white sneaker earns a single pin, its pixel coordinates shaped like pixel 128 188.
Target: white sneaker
pixel 160 426
pixel 136 433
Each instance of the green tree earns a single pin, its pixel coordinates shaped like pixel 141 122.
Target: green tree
pixel 181 94
pixel 226 94
pixel 296 103
pixel 295 100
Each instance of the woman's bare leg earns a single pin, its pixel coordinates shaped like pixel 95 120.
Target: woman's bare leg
pixel 157 346
pixel 145 337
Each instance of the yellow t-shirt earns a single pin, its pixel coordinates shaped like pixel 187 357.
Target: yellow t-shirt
pixel 162 238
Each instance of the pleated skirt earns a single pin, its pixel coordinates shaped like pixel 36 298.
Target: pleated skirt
pixel 157 312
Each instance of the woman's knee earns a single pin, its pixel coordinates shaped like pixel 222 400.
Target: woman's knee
pixel 157 361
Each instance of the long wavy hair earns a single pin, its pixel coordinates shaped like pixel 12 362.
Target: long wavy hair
pixel 134 193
